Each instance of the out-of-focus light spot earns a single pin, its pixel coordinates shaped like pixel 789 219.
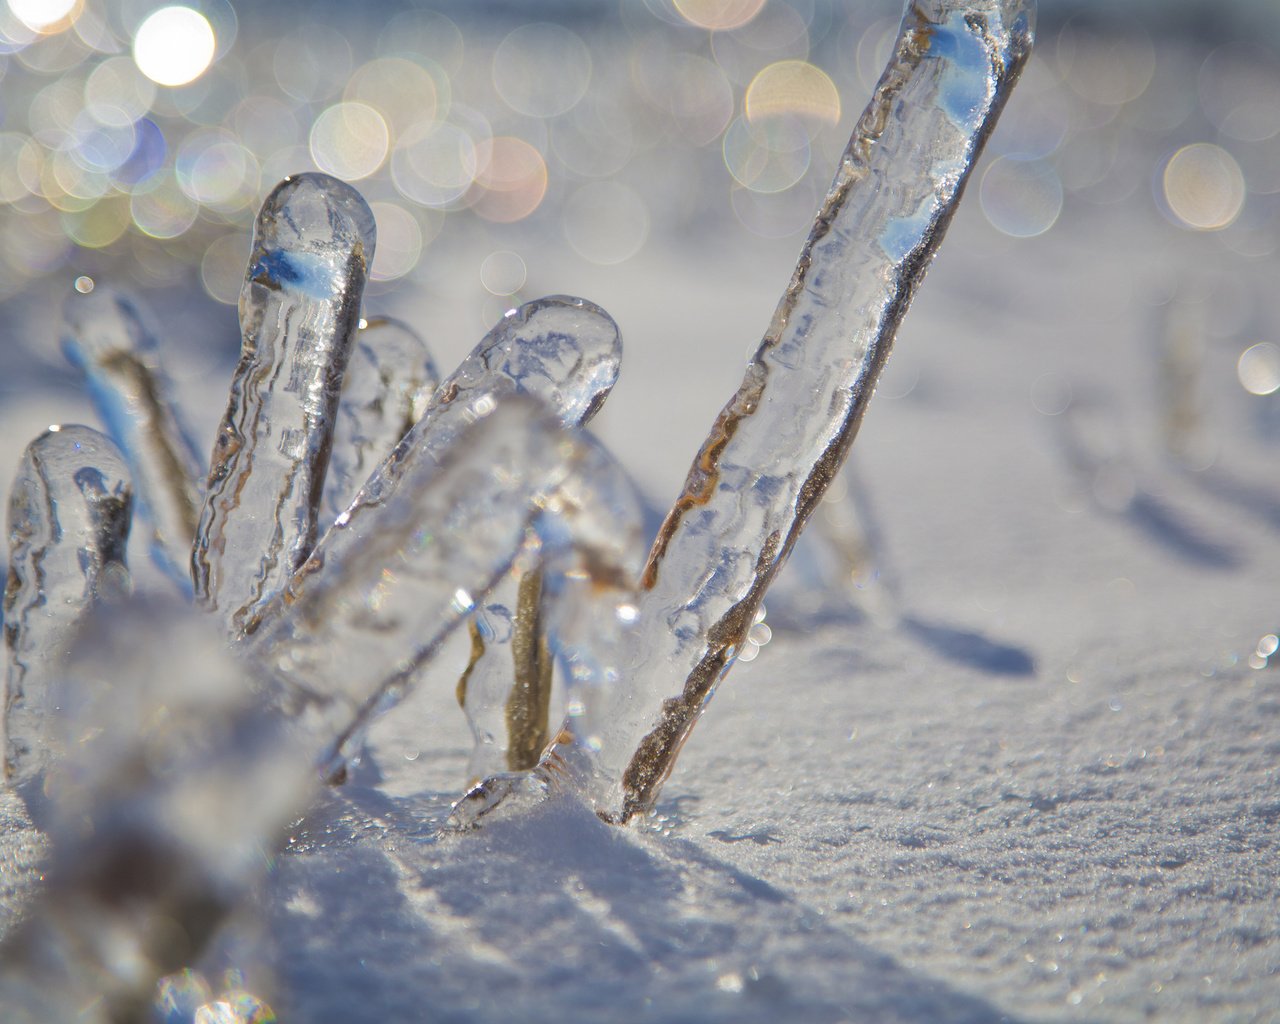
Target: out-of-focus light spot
pixel 1051 394
pixel 45 16
pixel 100 224
pixel 1203 187
pixel 164 211
pixel 312 63
pixel 1259 369
pixel 102 147
pixel 402 91
pixel 1036 121
pixel 606 222
pixel 777 33
pixel 1111 69
pixel 399 242
pixel 769 161
pixel 596 139
pixel 701 98
pixel 83 284
pixel 19 166
pixel 1021 198
pixel 116 93
pixel 424 34
pixel 793 89
pixel 174 46
pixel 434 164
pixel 718 15
pixel 541 70
pixel 349 141
pixel 222 268
pixel 503 272
pixel 1239 91
pixel 511 179
pixel 214 169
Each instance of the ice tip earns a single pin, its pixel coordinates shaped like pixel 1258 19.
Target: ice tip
pixel 315 212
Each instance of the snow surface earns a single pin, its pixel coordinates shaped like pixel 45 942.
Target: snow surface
pixel 1045 789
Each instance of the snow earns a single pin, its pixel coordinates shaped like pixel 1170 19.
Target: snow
pixel 1044 791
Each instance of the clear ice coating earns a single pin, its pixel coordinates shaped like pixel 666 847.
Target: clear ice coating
pixel 299 311
pixel 106 335
pixel 390 379
pixel 784 435
pixel 69 516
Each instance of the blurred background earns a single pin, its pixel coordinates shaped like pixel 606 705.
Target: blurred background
pixel 663 158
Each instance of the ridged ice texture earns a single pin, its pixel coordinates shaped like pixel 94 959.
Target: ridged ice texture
pixel 69 514
pixel 107 335
pixel 299 310
pixel 786 432
pixel 395 576
pixel 390 379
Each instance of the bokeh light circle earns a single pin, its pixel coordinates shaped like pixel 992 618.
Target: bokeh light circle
pixel 542 70
pixel 1258 369
pixel 1203 187
pixel 399 242
pixel 434 163
pixel 1021 198
pixel 718 15
pixel 174 45
pixel 793 88
pixel 511 179
pixel 606 222
pixel 349 140
pixel 503 272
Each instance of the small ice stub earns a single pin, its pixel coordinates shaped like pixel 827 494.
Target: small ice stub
pixel 390 379
pixel 299 311
pixel 108 337
pixel 786 432
pixel 69 516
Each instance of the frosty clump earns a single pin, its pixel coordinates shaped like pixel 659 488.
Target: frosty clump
pixel 489 507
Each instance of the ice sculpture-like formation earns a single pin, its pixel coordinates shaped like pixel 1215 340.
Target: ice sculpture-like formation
pixel 390 379
pixel 107 336
pixel 299 310
pixel 69 516
pixel 781 438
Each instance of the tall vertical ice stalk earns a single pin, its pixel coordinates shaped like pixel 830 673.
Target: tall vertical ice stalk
pixel 299 309
pixel 69 514
pixel 786 432
pixel 107 336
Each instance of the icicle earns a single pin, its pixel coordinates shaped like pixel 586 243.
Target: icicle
pixel 389 381
pixel 107 336
pixel 299 308
pixel 69 514
pixel 786 432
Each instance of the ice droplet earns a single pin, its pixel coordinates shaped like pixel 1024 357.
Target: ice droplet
pixel 108 337
pixel 299 308
pixel 69 515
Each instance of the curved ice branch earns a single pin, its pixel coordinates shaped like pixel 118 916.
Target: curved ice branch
pixel 390 379
pixel 786 432
pixel 107 336
pixel 69 514
pixel 299 308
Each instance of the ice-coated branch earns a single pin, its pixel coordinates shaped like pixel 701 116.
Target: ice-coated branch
pixel 786 432
pixel 107 336
pixel 299 310
pixel 390 379
pixel 187 787
pixel 69 516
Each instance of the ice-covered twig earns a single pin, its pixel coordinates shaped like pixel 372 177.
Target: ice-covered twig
pixel 786 432
pixel 390 379
pixel 69 516
pixel 107 336
pixel 299 309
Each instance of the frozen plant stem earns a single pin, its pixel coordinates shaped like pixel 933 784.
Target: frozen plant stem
pixel 299 310
pixel 107 337
pixel 785 434
pixel 69 515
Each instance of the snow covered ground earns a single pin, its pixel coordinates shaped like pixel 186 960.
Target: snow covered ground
pixel 1039 785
